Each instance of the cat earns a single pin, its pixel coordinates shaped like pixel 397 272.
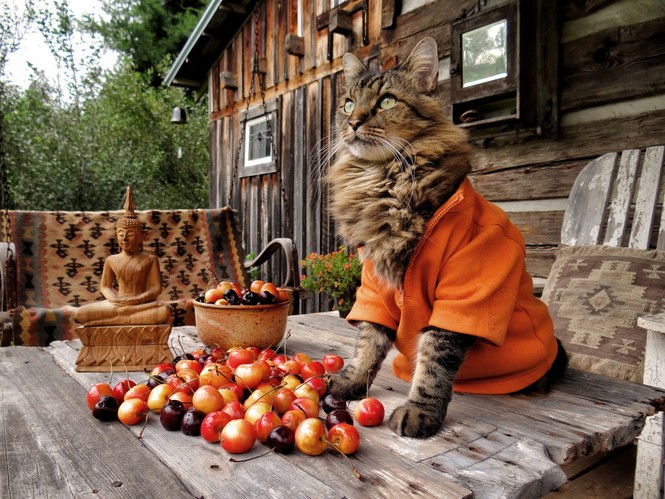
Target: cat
pixel 444 276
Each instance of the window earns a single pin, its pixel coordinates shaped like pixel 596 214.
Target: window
pixel 257 149
pixel 486 73
pixel 504 69
pixel 485 54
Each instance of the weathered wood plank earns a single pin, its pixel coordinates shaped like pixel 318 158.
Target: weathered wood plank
pixel 539 182
pixel 539 227
pixel 647 198
pixel 649 466
pixel 626 58
pixel 53 447
pixel 583 219
pixel 483 436
pixel 619 208
pixel 383 474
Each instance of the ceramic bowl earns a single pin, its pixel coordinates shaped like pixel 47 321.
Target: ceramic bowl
pixel 228 326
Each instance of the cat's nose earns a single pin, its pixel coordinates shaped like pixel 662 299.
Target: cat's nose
pixel 355 124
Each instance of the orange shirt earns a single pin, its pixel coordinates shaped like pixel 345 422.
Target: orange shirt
pixel 467 275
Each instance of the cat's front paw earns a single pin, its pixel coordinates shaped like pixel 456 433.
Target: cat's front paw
pixel 411 420
pixel 343 387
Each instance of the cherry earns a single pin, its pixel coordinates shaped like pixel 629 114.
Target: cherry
pixel 232 297
pixel 106 408
pixel 191 422
pixel 330 403
pixel 250 298
pixel 282 439
pixel 338 416
pixel 266 298
pixel 172 414
pixel 183 356
pixel 369 412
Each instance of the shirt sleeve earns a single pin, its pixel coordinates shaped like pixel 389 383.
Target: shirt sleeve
pixel 371 305
pixel 477 286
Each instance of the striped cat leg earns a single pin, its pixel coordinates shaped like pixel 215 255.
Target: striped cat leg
pixel 440 355
pixel 372 345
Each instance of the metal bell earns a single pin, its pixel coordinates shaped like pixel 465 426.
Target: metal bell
pixel 178 116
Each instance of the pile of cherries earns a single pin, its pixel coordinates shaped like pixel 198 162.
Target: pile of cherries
pixel 241 396
pixel 231 293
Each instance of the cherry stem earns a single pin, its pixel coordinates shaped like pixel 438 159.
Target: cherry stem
pixel 111 377
pixel 153 377
pixel 283 342
pixel 369 373
pixel 234 460
pixel 353 468
pixel 145 422
pixel 125 364
pixel 273 389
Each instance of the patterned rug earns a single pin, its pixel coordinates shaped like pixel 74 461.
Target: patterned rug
pixel 595 295
pixel 60 258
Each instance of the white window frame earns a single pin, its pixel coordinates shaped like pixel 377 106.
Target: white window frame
pixel 264 165
pixel 264 159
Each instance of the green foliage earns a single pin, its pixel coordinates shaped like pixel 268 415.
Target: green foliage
pixel 76 143
pixel 148 32
pixel 336 275
pixel 62 157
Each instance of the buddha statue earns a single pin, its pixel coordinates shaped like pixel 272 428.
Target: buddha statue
pixel 138 279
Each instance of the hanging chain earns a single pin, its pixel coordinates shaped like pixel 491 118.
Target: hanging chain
pixel 278 167
pixel 243 122
pixel 256 72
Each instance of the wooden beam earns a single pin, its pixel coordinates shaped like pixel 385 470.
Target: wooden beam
pixel 295 45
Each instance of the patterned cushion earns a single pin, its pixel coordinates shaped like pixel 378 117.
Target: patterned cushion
pixel 60 257
pixel 595 295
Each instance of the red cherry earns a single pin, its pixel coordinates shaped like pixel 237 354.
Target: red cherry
pixel 369 412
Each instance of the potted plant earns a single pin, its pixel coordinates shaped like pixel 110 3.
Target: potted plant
pixel 336 275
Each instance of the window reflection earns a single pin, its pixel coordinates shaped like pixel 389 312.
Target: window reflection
pixel 259 148
pixel 484 54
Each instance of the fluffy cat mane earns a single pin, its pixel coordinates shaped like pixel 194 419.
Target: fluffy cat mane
pixel 395 166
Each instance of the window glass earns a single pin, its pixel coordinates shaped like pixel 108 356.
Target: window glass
pixel 485 54
pixel 259 149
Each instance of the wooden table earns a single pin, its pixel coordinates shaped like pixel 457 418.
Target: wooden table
pixel 491 446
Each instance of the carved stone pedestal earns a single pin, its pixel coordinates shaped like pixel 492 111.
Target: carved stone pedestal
pixel 141 346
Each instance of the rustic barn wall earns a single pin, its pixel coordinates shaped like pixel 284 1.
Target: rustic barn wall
pixel 612 97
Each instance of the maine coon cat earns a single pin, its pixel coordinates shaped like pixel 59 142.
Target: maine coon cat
pixel 444 278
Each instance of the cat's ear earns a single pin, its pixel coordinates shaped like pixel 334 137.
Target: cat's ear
pixel 353 68
pixel 423 64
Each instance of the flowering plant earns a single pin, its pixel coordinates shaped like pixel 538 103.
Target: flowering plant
pixel 336 274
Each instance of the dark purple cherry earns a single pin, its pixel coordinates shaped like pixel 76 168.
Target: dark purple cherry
pixel 106 408
pixel 191 422
pixel 282 439
pixel 172 414
pixel 338 416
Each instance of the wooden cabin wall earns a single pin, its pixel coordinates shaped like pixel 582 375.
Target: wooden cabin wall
pixel 612 97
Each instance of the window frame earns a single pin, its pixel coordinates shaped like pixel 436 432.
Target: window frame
pixel 508 88
pixel 249 168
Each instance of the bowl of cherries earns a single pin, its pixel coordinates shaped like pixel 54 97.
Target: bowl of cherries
pixel 229 315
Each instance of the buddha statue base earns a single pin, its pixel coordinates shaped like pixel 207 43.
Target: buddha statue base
pixel 141 347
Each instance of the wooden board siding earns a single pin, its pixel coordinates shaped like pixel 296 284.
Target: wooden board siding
pixel 612 98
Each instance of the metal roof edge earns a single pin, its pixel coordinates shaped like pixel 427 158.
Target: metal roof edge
pixel 200 27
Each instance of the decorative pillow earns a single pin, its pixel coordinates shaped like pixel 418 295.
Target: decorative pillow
pixel 595 295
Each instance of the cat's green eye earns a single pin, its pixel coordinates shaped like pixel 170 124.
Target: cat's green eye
pixel 349 105
pixel 387 101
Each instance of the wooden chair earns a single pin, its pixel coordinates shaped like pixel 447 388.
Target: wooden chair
pixel 617 201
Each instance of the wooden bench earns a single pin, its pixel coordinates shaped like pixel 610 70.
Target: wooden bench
pixel 60 256
pixel 615 225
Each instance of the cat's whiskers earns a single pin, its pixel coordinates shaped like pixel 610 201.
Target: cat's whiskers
pixel 321 156
pixel 405 163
